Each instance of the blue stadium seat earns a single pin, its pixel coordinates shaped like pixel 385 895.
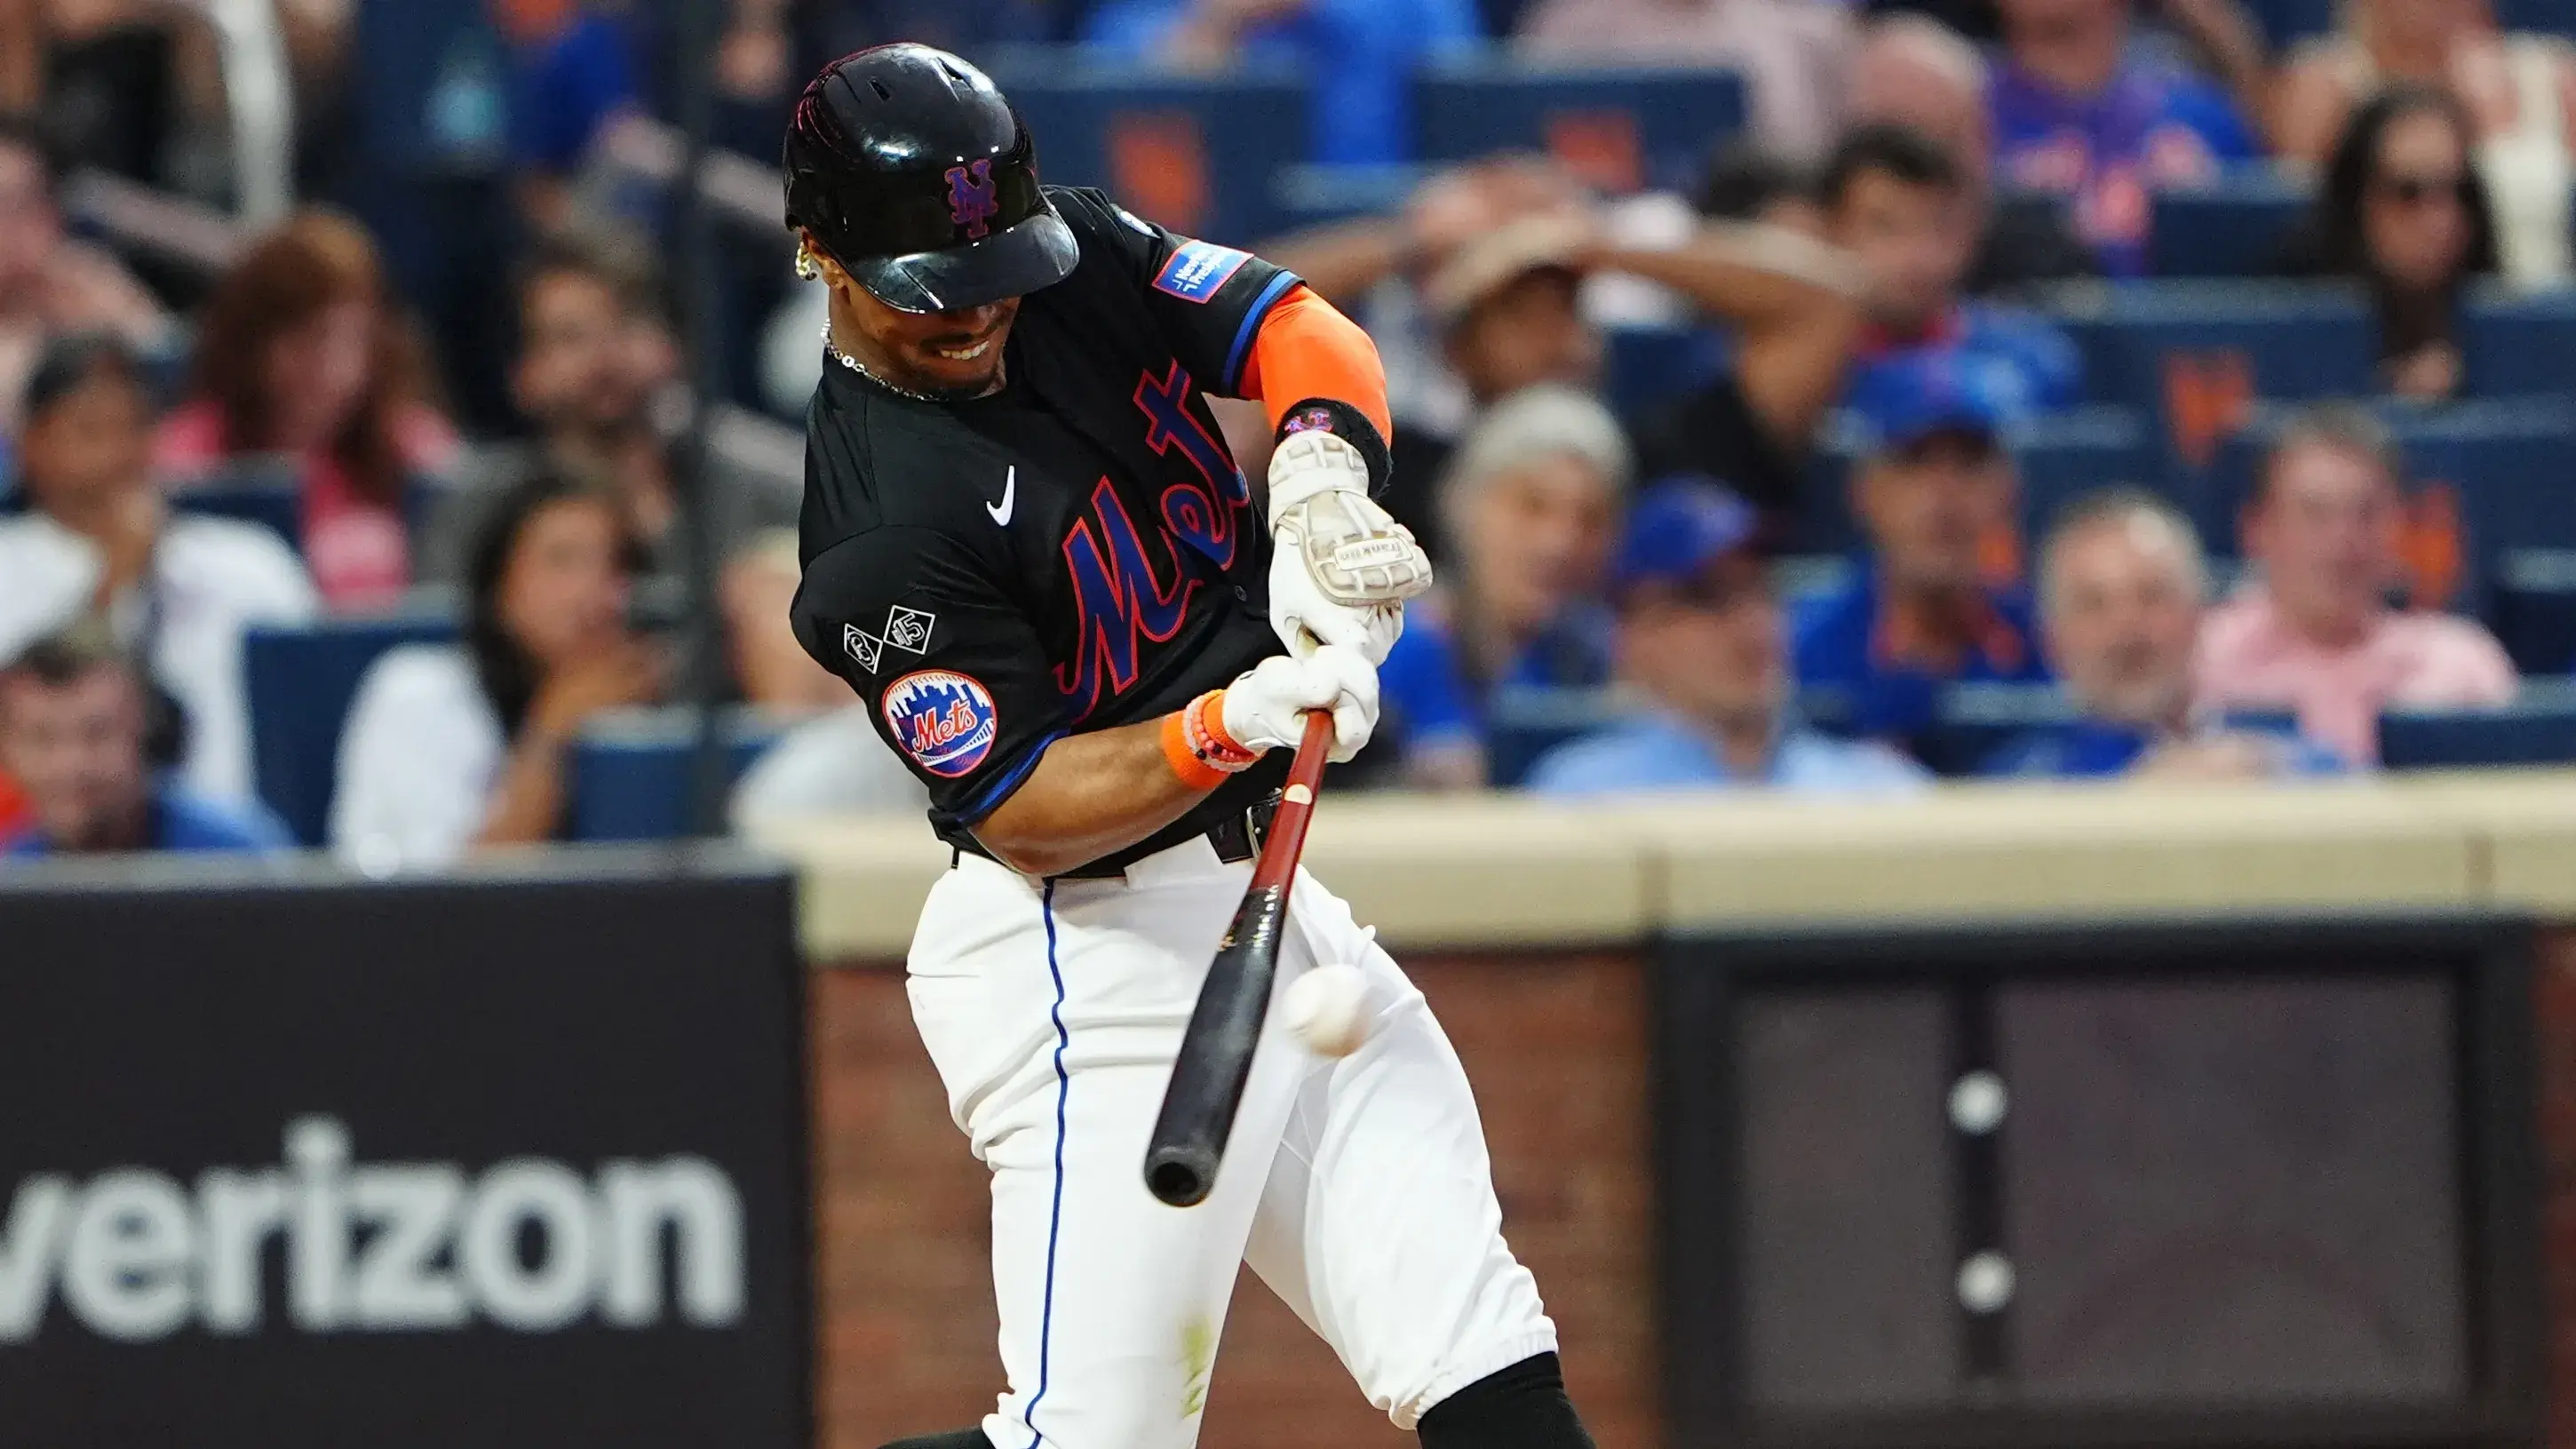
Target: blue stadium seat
pixel 2534 609
pixel 1621 127
pixel 268 492
pixel 2557 17
pixel 2539 728
pixel 2235 227
pixel 631 771
pixel 2288 20
pixel 1643 366
pixel 1972 721
pixel 299 683
pixel 1312 195
pixel 1524 722
pixel 2519 344
pixel 2066 455
pixel 1195 153
pixel 2145 344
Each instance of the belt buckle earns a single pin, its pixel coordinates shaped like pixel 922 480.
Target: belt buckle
pixel 1256 821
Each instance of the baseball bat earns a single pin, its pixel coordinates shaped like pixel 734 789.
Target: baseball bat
pixel 1216 1052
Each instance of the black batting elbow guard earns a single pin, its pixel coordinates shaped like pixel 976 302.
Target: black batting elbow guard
pixel 1327 415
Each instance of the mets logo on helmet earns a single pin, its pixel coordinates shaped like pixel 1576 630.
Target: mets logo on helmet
pixel 970 198
pixel 943 719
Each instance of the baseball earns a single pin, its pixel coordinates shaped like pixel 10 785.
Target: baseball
pixel 1327 1009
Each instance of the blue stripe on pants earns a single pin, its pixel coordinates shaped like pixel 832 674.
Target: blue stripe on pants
pixel 1055 1215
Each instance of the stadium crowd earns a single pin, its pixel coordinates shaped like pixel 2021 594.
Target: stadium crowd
pixel 361 523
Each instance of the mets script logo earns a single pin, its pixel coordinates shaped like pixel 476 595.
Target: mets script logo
pixel 943 719
pixel 1132 585
pixel 970 198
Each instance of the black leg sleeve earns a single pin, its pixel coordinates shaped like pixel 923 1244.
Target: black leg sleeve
pixel 1522 1407
pixel 962 1439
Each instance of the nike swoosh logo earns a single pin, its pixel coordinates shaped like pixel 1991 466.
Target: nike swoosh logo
pixel 1010 484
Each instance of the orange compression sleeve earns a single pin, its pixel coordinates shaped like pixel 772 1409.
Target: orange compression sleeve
pixel 1307 349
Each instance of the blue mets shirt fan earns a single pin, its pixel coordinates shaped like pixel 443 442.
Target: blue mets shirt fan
pixel 1933 490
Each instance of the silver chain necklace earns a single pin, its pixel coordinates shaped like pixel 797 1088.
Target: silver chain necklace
pixel 833 346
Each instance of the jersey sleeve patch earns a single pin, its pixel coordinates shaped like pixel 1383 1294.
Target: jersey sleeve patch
pixel 945 720
pixel 1198 270
pixel 906 629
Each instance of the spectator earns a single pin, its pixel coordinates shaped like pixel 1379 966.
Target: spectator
pixel 597 365
pixel 1520 251
pixel 2121 585
pixel 1793 52
pixel 1532 498
pixel 1745 181
pixel 72 726
pixel 133 87
pixel 1701 642
pixel 1378 269
pixel 179 589
pixel 1361 54
pixel 2404 212
pixel 2315 632
pixel 2078 110
pixel 2517 93
pixel 1897 202
pixel 570 73
pixel 755 591
pixel 1933 492
pixel 834 764
pixel 1912 72
pixel 1793 305
pixel 50 285
pixel 14 809
pixel 301 354
pixel 452 749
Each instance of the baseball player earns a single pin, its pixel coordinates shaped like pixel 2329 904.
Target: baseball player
pixel 1028 550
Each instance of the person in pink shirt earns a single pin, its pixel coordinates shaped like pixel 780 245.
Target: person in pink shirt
pixel 2314 632
pixel 303 354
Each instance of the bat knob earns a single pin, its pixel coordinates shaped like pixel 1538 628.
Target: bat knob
pixel 1181 1174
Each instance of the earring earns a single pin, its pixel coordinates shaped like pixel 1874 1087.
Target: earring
pixel 806 267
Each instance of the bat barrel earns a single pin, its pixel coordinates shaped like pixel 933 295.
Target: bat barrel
pixel 1215 1059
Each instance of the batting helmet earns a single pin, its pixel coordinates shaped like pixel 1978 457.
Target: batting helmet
pixel 919 179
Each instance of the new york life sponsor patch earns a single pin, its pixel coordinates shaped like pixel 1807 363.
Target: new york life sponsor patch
pixel 1198 270
pixel 943 719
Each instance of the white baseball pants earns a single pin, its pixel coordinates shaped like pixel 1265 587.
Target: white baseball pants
pixel 1358 1189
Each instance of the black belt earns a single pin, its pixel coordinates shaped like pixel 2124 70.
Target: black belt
pixel 1237 837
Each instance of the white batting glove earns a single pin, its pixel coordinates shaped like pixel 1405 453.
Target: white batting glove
pixel 1341 567
pixel 1265 709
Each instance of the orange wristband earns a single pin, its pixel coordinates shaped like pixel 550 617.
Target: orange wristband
pixel 1230 752
pixel 1192 771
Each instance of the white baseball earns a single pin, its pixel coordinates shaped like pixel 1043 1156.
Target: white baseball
pixel 1327 1009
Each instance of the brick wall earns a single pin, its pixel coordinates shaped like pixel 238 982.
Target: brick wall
pixel 1557 1050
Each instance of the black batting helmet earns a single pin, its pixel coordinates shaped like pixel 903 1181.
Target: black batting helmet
pixel 915 174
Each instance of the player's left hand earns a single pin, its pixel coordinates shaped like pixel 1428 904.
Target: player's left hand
pixel 1342 566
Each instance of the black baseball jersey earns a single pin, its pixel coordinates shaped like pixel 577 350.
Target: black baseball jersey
pixel 1075 552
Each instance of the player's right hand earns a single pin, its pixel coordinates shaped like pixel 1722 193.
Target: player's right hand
pixel 1265 707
